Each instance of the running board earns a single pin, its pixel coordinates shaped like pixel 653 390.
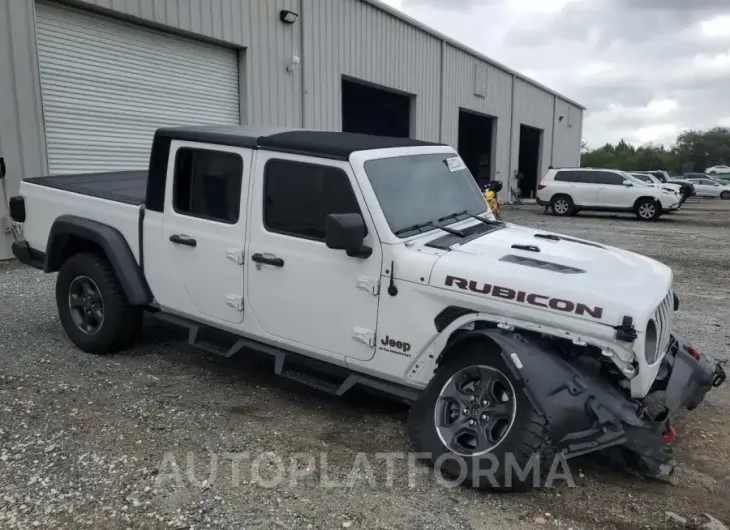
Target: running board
pixel 321 381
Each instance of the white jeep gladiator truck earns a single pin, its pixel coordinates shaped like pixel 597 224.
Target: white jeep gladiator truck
pixel 371 262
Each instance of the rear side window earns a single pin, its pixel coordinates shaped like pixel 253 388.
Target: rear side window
pixel 606 177
pixel 299 196
pixel 208 184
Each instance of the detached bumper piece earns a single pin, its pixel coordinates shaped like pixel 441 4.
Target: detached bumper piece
pixel 588 413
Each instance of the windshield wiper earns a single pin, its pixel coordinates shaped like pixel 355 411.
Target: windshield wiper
pixel 429 224
pixel 452 216
pixel 487 221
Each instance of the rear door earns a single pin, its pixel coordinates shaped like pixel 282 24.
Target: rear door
pixel 613 192
pixel 585 187
pixel 204 227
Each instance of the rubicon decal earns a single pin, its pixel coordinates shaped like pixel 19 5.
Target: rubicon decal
pixel 533 299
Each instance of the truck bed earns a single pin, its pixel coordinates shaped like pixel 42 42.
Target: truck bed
pixel 128 187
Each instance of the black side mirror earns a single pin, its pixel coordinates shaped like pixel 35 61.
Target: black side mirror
pixel 346 231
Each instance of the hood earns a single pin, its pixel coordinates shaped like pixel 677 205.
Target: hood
pixel 557 273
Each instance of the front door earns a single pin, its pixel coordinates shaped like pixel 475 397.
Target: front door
pixel 204 229
pixel 299 290
pixel 613 192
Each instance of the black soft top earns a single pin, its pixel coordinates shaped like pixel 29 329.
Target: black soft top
pixel 325 144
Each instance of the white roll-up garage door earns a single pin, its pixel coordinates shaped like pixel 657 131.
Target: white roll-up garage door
pixel 107 85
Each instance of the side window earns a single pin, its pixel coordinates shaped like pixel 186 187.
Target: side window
pixel 564 176
pixel 607 177
pixel 589 177
pixel 298 197
pixel 208 184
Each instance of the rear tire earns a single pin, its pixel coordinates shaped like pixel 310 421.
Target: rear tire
pixel 648 210
pixel 92 307
pixel 562 205
pixel 725 195
pixel 521 442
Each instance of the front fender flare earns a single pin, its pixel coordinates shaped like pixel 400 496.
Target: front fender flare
pixel 112 243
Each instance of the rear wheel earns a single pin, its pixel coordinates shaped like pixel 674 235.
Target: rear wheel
pixel 725 195
pixel 92 308
pixel 562 205
pixel 477 425
pixel 648 210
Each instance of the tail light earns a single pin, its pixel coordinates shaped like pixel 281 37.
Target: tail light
pixel 694 352
pixel 17 209
pixel 541 186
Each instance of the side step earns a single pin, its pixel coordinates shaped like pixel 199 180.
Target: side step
pixel 227 345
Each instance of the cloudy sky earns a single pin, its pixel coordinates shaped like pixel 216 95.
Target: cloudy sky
pixel 645 69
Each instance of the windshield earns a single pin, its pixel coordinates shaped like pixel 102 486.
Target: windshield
pixel 643 178
pixel 418 189
pixel 635 180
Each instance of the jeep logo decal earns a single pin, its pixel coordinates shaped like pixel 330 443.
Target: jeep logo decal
pixel 536 300
pixel 395 346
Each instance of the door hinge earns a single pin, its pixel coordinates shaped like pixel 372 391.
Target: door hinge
pixel 366 336
pixel 235 254
pixel 369 285
pixel 235 301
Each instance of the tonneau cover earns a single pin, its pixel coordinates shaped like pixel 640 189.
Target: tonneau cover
pixel 129 187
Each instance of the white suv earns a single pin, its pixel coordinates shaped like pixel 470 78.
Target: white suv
pixel 570 190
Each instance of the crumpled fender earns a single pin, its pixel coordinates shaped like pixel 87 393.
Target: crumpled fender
pixel 584 413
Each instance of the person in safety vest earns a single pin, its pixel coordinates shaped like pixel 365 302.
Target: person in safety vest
pixel 490 195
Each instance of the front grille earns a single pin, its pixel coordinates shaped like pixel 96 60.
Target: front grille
pixel 663 319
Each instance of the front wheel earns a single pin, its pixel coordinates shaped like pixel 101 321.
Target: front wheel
pixel 725 195
pixel 477 425
pixel 648 210
pixel 92 308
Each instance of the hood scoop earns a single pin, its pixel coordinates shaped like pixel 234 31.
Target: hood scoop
pixel 540 264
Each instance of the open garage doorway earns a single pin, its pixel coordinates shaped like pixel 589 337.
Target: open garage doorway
pixel 476 145
pixel 370 110
pixel 529 160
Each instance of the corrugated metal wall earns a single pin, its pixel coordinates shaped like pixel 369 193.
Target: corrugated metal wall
pixel 459 92
pixel 354 39
pixel 566 147
pixel 341 38
pixel 533 107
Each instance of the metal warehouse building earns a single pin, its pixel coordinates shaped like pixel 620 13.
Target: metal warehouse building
pixel 84 83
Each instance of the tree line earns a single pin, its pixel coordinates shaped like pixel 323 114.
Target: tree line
pixel 692 151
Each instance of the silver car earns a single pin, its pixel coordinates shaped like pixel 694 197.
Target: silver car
pixel 706 187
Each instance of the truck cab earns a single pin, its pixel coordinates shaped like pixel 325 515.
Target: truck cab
pixel 373 262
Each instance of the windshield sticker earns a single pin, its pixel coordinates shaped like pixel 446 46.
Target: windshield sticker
pixel 455 164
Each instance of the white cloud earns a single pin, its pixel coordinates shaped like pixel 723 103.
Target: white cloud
pixel 646 69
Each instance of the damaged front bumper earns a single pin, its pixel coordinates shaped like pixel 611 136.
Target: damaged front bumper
pixel 587 413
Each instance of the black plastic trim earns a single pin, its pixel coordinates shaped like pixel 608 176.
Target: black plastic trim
pixel 28 255
pixel 157 173
pixel 448 315
pixel 112 243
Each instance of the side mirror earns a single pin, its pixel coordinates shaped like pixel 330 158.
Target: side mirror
pixel 628 183
pixel 346 231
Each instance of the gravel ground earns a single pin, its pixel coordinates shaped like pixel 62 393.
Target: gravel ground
pixel 149 439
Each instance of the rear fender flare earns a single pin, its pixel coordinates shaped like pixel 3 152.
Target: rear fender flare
pixel 113 245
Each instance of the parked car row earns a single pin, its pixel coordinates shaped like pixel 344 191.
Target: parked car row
pixel 648 194
pixel 568 191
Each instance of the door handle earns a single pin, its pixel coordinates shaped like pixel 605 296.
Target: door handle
pixel 268 259
pixel 183 240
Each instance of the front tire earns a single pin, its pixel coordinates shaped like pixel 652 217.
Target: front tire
pixel 648 210
pixel 92 307
pixel 725 195
pixel 475 422
pixel 562 205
